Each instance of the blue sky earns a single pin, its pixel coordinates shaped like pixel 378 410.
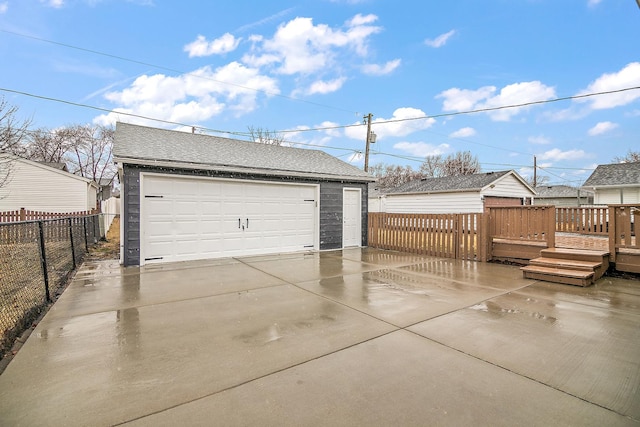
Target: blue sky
pixel 315 68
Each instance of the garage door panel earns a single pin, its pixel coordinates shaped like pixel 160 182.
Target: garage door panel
pixel 192 218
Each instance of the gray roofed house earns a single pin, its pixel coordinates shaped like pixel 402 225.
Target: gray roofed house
pixel 188 196
pixel 458 194
pixel 615 183
pixel 563 195
pixel 450 183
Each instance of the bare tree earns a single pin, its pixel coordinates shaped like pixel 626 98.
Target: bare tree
pixel 90 152
pixel 432 167
pixel 13 131
pixel 632 156
pixel 13 134
pixel 48 146
pixel 390 176
pixel 265 136
pixel 460 163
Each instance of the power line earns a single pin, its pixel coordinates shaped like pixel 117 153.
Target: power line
pixel 459 113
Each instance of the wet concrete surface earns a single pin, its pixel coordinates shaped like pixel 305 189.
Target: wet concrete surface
pixel 352 337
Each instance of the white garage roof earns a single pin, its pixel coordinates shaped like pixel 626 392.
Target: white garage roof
pixel 142 145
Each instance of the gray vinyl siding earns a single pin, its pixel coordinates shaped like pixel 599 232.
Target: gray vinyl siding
pixel 131 215
pixel 330 204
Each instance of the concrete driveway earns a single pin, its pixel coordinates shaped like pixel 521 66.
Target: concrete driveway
pixel 353 337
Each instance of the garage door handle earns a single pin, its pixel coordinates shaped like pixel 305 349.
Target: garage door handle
pixel 247 222
pixel 238 222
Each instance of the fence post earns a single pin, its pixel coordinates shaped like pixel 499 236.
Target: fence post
pixel 551 227
pixel 43 261
pixel 73 249
pixel 613 235
pixel 86 241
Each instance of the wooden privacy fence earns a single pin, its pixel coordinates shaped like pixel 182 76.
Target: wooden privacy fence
pixel 456 236
pixel 26 215
pixel 583 220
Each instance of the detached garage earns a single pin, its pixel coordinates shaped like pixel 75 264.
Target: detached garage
pixel 188 196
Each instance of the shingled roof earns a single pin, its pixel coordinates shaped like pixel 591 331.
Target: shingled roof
pixel 475 182
pixel 558 191
pixel 615 175
pixel 142 145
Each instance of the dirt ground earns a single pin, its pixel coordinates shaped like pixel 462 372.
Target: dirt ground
pixel 109 249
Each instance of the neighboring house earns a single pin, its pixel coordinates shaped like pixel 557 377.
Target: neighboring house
pixel 38 187
pixel 106 189
pixel 377 197
pixel 617 183
pixel 459 194
pixel 563 195
pixel 187 196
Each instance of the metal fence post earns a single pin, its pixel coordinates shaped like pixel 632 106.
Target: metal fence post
pixel 43 261
pixel 73 250
pixel 86 239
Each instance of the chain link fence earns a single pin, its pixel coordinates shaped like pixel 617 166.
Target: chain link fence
pixel 36 260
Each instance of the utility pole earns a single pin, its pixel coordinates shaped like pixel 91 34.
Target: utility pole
pixel 535 173
pixel 367 119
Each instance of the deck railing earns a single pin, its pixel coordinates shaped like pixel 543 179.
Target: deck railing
pixel 583 220
pixel 523 223
pixel 622 228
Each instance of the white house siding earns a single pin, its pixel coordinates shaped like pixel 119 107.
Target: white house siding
pixel 41 188
pixel 508 186
pixel 461 202
pixel 615 196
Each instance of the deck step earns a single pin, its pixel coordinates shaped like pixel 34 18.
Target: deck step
pixel 559 275
pixel 574 254
pixel 571 264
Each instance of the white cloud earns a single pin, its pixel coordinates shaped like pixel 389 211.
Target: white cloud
pixel 464 99
pixel 593 3
pixel 57 4
pixel 396 126
pixel 192 97
pixel 421 149
pixel 381 70
pixel 628 77
pixel 324 87
pixel 463 133
pixel 4 7
pixel 300 47
pixel 540 140
pixel 602 127
pixel 486 97
pixel 556 155
pixel 441 40
pixel 201 47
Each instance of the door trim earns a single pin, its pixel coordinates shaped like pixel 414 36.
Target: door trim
pixel 358 224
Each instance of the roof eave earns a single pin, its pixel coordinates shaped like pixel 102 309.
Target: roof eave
pixel 243 170
pixel 459 190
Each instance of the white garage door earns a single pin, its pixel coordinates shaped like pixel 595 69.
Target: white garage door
pixel 189 218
